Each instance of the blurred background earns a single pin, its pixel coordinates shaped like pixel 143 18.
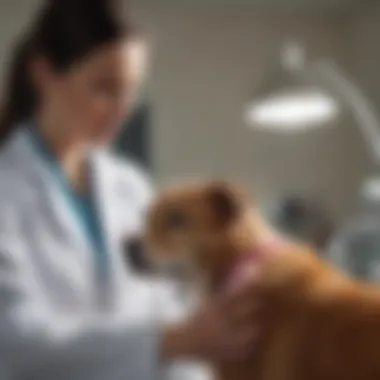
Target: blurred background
pixel 209 60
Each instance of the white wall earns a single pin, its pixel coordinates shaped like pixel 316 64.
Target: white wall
pixel 207 61
pixel 364 62
pixel 14 16
pixel 365 57
pixel 365 51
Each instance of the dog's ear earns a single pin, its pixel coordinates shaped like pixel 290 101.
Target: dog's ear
pixel 227 200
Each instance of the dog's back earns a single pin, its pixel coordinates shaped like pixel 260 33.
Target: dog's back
pixel 318 325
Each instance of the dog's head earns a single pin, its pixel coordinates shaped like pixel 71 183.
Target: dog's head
pixel 200 229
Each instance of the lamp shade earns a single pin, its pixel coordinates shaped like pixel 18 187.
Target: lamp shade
pixel 292 109
pixel 290 99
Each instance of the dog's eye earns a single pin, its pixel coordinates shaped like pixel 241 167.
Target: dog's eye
pixel 175 220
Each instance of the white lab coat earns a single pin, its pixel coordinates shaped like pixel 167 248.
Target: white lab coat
pixel 56 320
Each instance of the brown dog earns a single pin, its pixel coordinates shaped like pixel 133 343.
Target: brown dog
pixel 319 324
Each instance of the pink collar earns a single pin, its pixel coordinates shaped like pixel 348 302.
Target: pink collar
pixel 250 262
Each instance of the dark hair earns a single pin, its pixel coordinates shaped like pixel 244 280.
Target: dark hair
pixel 64 32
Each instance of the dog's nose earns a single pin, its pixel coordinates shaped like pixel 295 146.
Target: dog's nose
pixel 134 246
pixel 135 254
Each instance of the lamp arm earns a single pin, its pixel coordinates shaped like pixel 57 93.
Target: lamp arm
pixel 362 108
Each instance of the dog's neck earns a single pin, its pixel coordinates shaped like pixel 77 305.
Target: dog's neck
pixel 251 261
pixel 245 264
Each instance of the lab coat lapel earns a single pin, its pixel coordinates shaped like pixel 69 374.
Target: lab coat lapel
pixel 103 288
pixel 115 199
pixel 102 195
pixel 40 171
pixel 35 171
pixel 112 211
pixel 111 191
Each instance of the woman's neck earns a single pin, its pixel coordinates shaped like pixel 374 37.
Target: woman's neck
pixel 70 153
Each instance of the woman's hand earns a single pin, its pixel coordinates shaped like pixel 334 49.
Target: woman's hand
pixel 223 329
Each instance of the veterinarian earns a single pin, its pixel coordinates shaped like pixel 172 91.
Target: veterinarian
pixel 69 309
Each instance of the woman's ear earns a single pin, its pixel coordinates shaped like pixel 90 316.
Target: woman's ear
pixel 227 200
pixel 41 72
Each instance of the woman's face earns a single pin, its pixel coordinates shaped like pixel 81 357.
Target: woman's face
pixel 91 100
